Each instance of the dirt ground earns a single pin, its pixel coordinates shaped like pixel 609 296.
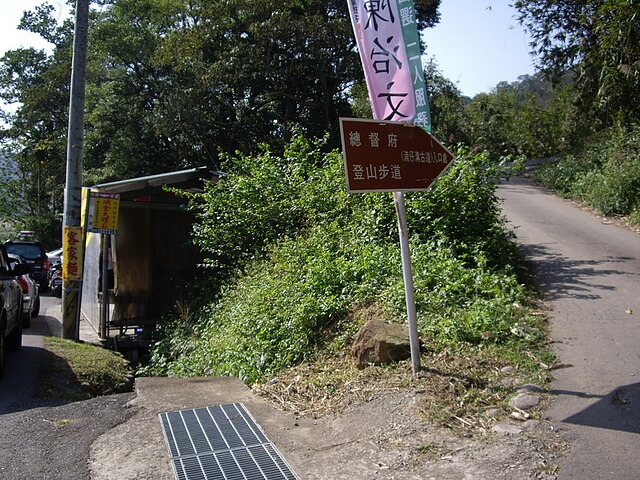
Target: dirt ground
pixel 381 433
pixel 380 437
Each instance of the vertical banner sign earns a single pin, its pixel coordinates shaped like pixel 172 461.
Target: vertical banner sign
pixel 72 252
pixel 387 37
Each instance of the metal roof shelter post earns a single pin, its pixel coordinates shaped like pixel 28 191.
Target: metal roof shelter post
pixel 73 189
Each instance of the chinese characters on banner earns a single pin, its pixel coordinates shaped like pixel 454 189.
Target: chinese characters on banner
pixel 390 156
pixel 103 213
pixel 388 42
pixel 72 244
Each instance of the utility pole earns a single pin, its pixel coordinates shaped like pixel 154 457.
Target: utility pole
pixel 73 238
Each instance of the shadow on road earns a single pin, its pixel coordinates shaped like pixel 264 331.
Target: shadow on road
pixel 19 387
pixel 618 410
pixel 559 277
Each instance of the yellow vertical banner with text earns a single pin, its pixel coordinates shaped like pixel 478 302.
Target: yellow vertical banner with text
pixel 72 255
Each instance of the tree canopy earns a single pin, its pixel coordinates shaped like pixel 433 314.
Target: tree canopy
pixel 599 41
pixel 173 83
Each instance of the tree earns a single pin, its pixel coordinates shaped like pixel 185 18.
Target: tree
pixel 35 140
pixel 190 79
pixel 600 41
pixel 447 107
pixel 171 83
pixel 527 117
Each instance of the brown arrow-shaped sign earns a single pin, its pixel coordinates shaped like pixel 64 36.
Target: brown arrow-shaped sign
pixel 390 156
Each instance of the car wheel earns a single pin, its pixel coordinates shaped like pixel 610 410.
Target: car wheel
pixel 2 350
pixel 14 339
pixel 36 308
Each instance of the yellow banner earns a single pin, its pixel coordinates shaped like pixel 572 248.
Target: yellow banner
pixel 72 254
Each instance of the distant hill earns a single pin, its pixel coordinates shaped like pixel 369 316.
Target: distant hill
pixel 7 169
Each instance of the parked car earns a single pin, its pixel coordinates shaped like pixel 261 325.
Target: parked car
pixel 36 256
pixel 30 292
pixel 10 307
pixel 55 256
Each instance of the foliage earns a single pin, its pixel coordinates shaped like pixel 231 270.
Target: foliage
pixel 447 107
pixel 8 231
pixel 189 79
pixel 600 41
pixel 35 139
pixel 463 209
pixel 170 84
pixel 605 172
pixel 527 117
pixel 263 199
pixel 300 253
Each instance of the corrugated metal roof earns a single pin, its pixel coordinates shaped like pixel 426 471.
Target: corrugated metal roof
pixel 188 180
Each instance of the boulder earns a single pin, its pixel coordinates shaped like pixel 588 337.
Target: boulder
pixel 379 343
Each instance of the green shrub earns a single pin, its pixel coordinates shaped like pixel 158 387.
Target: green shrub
pixel 563 175
pixel 300 253
pixel 634 217
pixel 605 173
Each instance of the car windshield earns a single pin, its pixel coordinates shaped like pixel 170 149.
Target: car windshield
pixel 23 249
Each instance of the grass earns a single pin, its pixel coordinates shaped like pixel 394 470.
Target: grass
pixel 73 371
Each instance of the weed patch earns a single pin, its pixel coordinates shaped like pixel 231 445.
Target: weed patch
pixel 74 371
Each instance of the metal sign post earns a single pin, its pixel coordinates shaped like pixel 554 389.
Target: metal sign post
pixel 403 229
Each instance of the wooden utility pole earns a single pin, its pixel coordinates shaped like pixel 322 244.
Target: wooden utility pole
pixel 73 189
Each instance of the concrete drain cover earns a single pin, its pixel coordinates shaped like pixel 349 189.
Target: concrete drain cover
pixel 221 443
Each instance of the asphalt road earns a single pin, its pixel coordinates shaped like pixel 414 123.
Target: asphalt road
pixel 40 439
pixel 589 270
pixel 17 388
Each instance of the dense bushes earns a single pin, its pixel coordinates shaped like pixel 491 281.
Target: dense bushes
pixel 605 173
pixel 296 253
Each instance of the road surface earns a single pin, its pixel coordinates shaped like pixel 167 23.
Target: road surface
pixel 589 270
pixel 18 386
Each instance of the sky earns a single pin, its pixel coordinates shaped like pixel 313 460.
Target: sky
pixel 476 45
pixel 10 14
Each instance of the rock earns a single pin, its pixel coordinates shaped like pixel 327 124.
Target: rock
pixel 378 343
pixel 531 424
pixel 507 429
pixel 86 387
pixel 524 401
pixel 507 370
pixel 492 412
pixel 530 388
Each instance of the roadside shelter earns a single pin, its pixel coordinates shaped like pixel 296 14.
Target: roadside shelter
pixel 149 259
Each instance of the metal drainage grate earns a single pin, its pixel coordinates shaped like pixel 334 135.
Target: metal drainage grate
pixel 221 443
